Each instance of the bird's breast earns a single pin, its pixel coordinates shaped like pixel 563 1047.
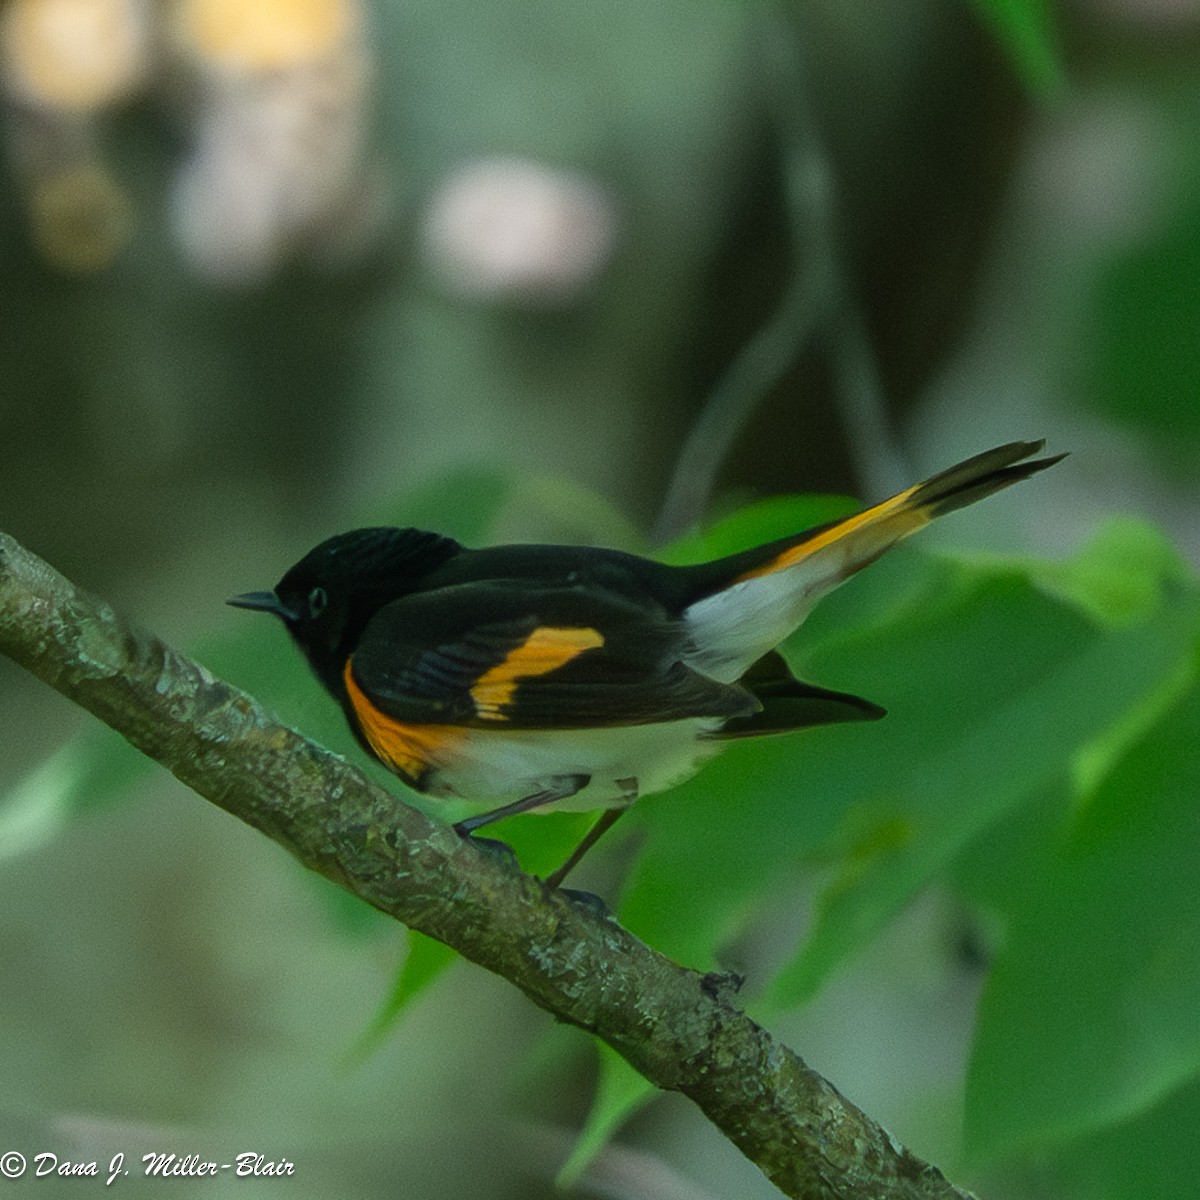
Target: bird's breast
pixel 494 766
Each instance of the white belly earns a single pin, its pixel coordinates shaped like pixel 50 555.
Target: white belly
pixel 498 766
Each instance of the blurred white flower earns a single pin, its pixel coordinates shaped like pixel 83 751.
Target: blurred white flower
pixel 514 229
pixel 63 65
pixel 256 37
pixel 74 55
pixel 81 218
pixel 280 162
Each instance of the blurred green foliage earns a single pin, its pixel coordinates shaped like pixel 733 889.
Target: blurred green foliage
pixel 1039 764
pixel 1028 30
pixel 1147 374
pixel 1038 757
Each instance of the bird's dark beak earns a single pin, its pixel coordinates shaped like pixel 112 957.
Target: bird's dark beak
pixel 262 602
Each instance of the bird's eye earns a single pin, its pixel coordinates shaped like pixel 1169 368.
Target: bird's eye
pixel 317 599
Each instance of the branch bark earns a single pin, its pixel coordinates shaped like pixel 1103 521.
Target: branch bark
pixel 674 1025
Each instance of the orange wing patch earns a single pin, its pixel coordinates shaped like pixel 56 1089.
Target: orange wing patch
pixel 547 648
pixel 877 528
pixel 406 749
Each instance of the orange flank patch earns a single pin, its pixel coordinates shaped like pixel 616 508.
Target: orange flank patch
pixel 547 648
pixel 887 522
pixel 407 749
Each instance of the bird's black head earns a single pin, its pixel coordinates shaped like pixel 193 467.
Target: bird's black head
pixel 328 597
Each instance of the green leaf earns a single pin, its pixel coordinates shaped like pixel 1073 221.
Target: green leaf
pixel 762 521
pixel 992 873
pixel 717 846
pixel 464 504
pixel 1147 308
pixel 425 962
pixel 573 514
pixel 620 1092
pixel 1026 28
pixel 1119 575
pixel 1053 687
pixel 1092 1012
pixel 999 693
pixel 38 806
pixel 1151 1157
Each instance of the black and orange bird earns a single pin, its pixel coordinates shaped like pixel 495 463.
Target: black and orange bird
pixel 533 677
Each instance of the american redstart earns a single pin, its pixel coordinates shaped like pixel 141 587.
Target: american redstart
pixel 525 677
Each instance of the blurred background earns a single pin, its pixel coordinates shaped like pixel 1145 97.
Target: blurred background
pixel 276 267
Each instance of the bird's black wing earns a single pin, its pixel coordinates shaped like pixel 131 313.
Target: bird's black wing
pixel 517 654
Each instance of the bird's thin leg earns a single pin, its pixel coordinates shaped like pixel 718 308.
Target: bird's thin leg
pixel 566 785
pixel 606 821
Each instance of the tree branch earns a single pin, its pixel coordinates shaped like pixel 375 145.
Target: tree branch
pixel 674 1025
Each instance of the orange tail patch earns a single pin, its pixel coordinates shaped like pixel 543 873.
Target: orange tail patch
pixel 872 531
pixel 887 523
